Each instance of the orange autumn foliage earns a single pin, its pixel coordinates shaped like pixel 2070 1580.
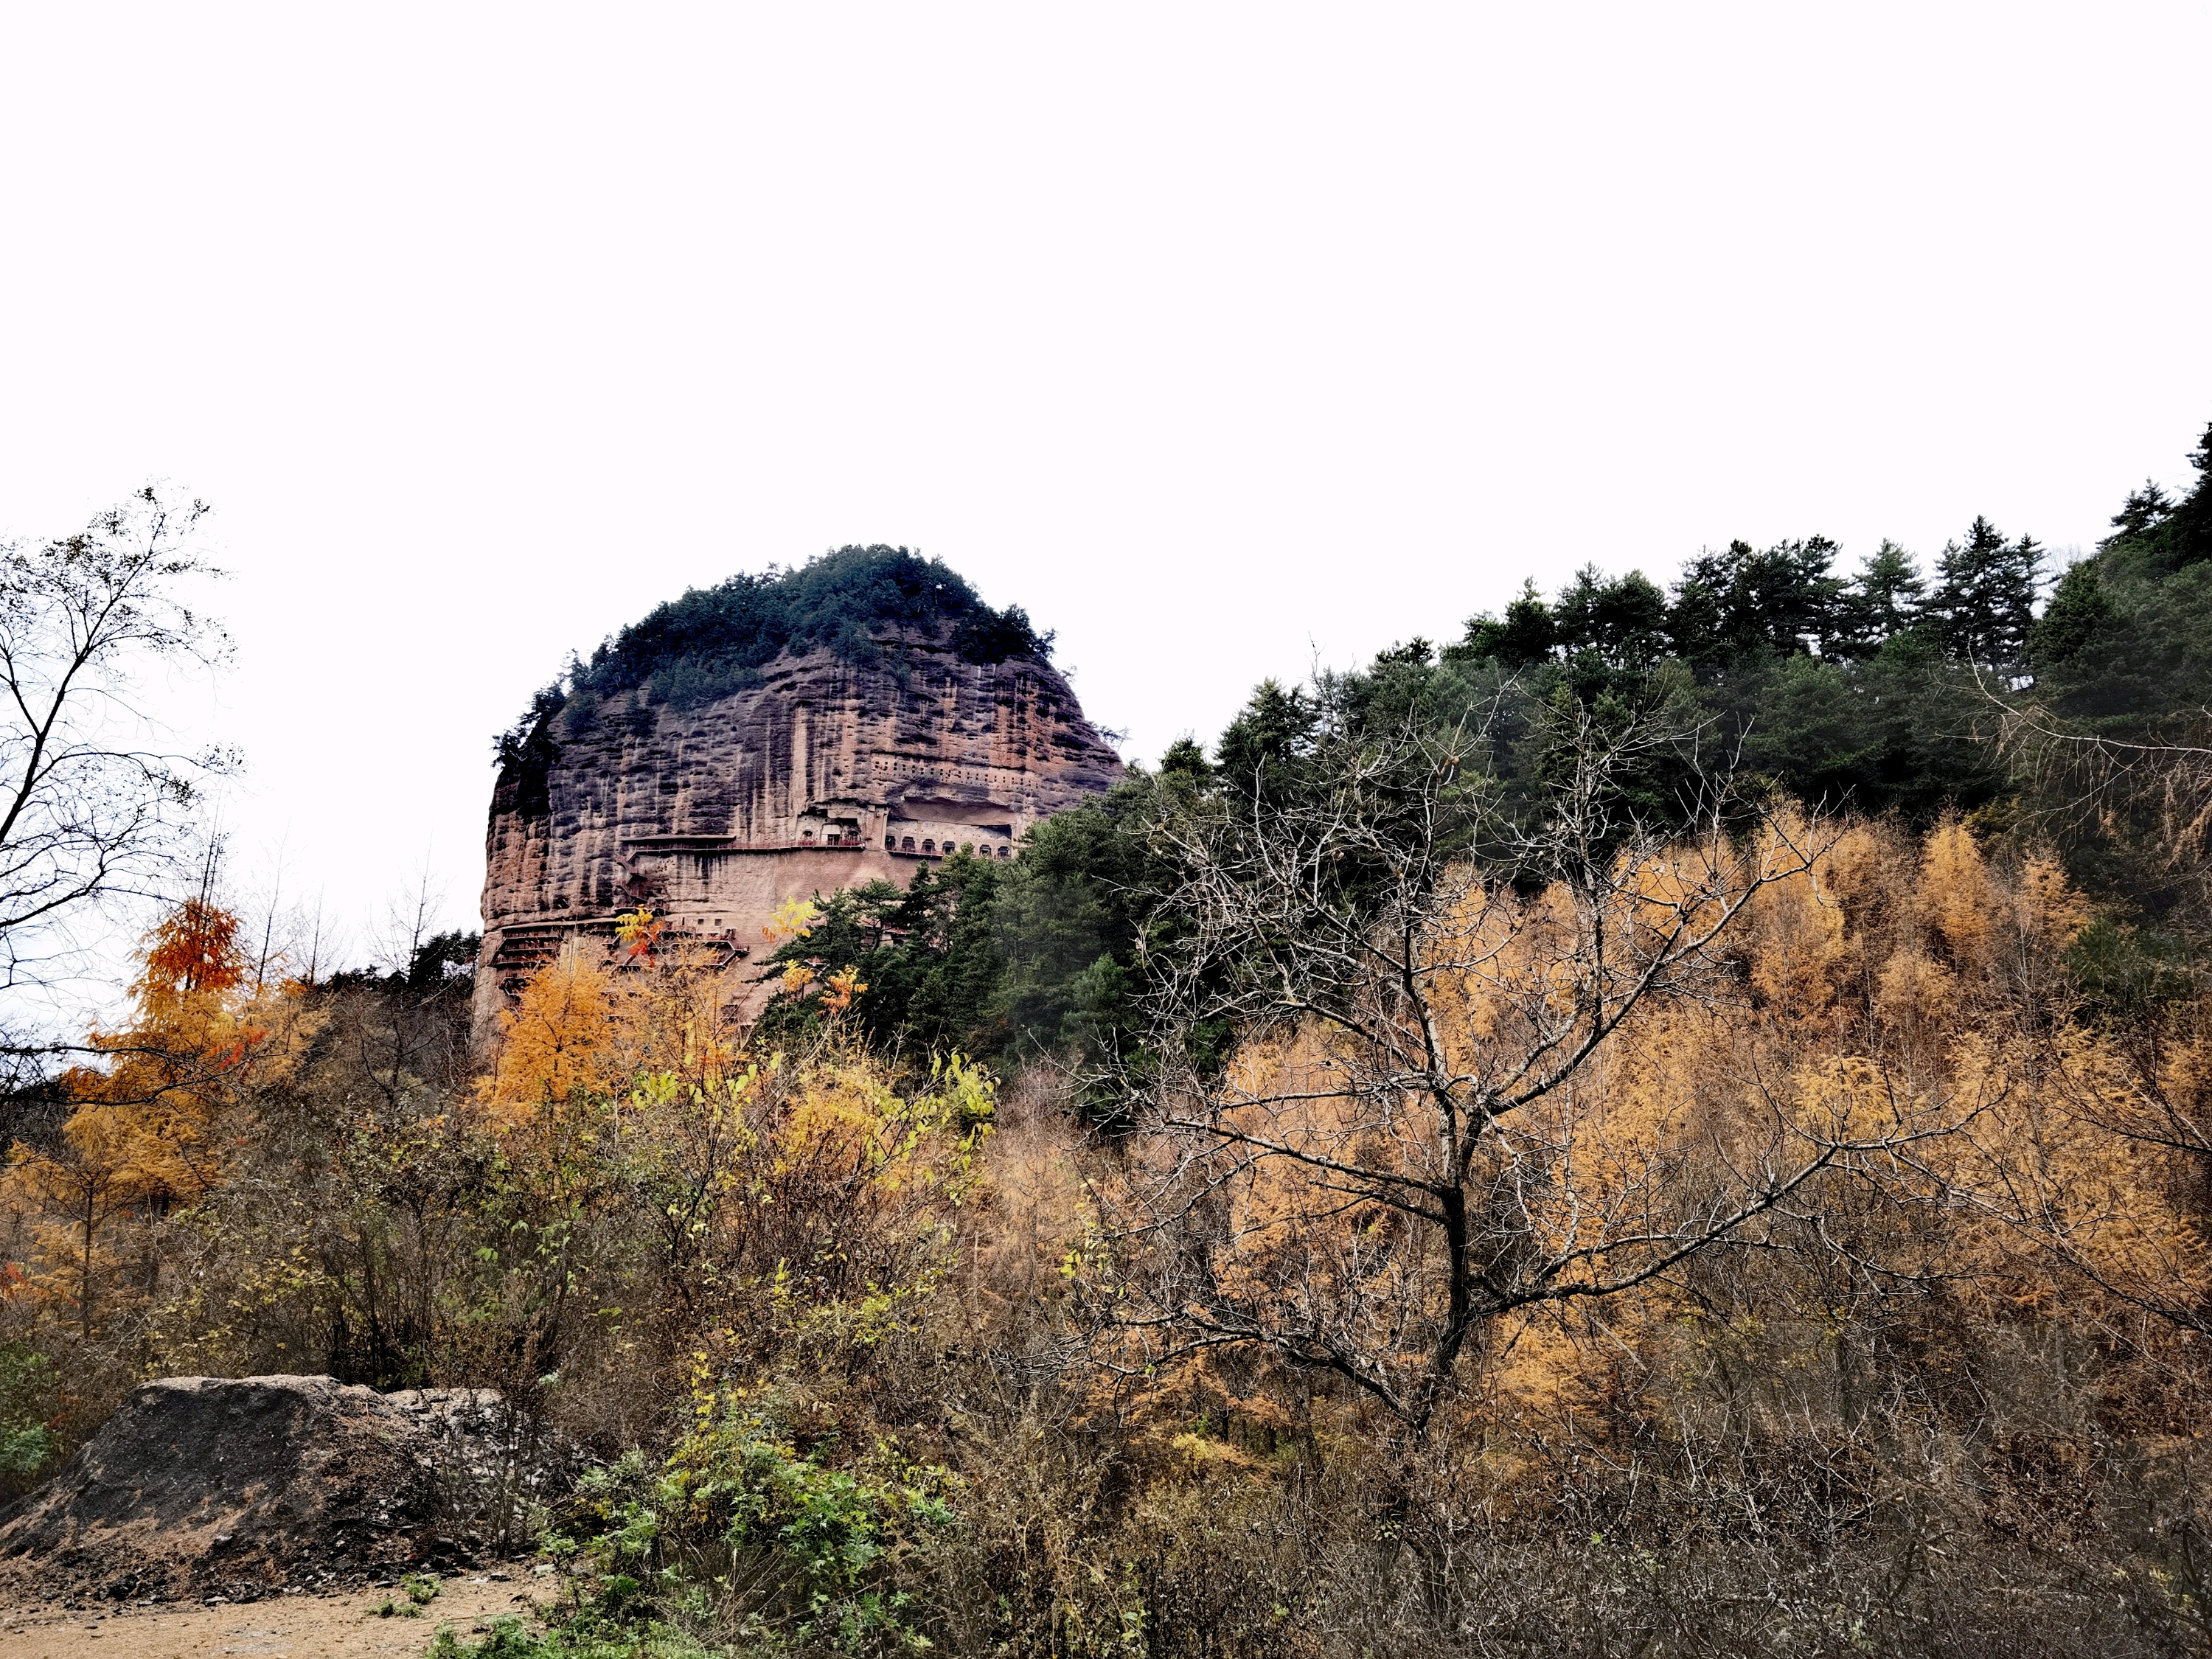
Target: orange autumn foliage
pixel 1892 990
pixel 559 1040
pixel 147 1131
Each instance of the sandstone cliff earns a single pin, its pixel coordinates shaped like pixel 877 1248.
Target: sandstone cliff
pixel 828 772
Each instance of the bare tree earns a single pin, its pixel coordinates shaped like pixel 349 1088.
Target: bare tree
pixel 1423 978
pixel 406 1034
pixel 2148 800
pixel 94 808
pixel 2156 796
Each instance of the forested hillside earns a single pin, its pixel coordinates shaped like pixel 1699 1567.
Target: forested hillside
pixel 1888 692
pixel 1677 1121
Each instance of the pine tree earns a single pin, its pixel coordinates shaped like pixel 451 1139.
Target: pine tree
pixel 1262 750
pixel 1527 635
pixel 2159 535
pixel 2079 609
pixel 1986 598
pixel 1623 620
pixel 2145 509
pixel 1885 598
pixel 1746 602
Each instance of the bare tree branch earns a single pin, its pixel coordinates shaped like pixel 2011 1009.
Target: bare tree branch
pixel 1422 974
pixel 94 808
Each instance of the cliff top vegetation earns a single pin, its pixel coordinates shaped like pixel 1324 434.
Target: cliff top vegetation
pixel 715 640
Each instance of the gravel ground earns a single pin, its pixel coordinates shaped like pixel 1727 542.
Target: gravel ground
pixel 307 1626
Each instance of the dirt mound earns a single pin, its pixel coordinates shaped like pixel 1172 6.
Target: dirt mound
pixel 203 1485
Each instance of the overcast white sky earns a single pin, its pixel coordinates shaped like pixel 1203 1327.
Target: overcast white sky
pixel 1222 337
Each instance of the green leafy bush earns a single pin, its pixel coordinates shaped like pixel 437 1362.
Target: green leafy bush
pixel 745 1531
pixel 29 1441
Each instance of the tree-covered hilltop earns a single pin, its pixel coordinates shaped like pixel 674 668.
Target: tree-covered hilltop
pixel 715 640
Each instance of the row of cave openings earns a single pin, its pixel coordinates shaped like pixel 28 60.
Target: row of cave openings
pixel 905 844
pixel 929 849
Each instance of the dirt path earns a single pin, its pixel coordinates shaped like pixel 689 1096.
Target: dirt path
pixel 299 1627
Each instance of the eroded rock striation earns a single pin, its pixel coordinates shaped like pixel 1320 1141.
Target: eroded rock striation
pixel 835 764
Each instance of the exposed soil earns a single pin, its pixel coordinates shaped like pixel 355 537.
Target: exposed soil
pixel 306 1626
pixel 201 1485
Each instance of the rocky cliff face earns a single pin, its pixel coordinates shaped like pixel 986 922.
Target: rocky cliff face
pixel 826 774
